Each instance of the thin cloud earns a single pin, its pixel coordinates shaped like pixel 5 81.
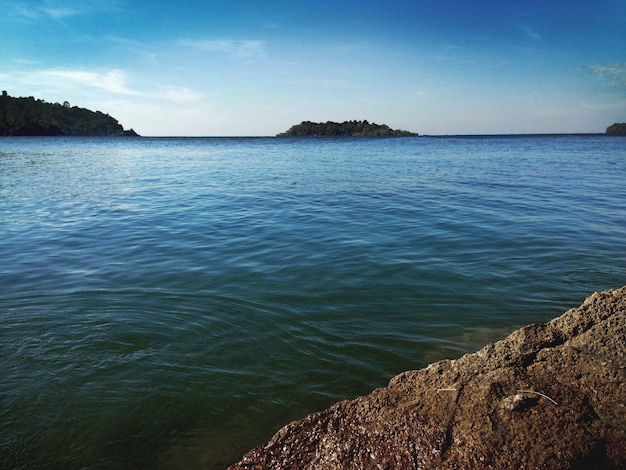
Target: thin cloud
pixel 178 94
pixel 530 32
pixel 245 50
pixel 25 13
pixel 613 73
pixel 34 13
pixel 113 81
pixel 59 11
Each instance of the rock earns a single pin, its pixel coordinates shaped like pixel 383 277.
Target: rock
pixel 549 396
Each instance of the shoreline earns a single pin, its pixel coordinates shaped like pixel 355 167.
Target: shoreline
pixel 549 395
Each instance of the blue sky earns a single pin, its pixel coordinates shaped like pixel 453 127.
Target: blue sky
pixel 243 67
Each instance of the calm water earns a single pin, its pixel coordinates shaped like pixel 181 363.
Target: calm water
pixel 170 303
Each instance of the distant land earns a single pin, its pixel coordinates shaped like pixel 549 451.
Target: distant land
pixel 619 128
pixel 346 129
pixel 31 117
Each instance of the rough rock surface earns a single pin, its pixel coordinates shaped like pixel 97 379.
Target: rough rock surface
pixel 549 396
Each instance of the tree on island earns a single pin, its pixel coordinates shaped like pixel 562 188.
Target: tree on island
pixel 346 128
pixel 619 128
pixel 31 117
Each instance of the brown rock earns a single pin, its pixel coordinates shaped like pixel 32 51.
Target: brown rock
pixel 549 396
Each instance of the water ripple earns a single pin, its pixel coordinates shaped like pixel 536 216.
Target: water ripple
pixel 171 302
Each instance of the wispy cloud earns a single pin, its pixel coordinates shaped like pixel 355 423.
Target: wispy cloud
pixel 112 81
pixel 23 12
pixel 60 13
pixel 613 73
pixel 178 94
pixel 116 82
pixel 530 32
pixel 35 13
pixel 58 10
pixel 244 50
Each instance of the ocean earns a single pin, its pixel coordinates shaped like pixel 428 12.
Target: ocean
pixel 172 302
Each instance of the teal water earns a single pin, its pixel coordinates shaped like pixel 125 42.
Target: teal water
pixel 170 303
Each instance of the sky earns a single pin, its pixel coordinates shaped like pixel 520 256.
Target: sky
pixel 255 68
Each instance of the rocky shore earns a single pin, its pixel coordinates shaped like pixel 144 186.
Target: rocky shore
pixel 549 396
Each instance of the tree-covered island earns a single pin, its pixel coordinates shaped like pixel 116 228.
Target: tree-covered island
pixel 619 128
pixel 346 128
pixel 31 117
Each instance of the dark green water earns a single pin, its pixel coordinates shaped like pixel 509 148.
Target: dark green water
pixel 170 303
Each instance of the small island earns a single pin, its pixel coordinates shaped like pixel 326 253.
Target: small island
pixel 619 128
pixel 344 129
pixel 31 117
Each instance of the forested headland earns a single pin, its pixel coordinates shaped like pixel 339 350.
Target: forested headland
pixel 346 128
pixel 34 117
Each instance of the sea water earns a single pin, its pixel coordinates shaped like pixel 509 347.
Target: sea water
pixel 171 303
